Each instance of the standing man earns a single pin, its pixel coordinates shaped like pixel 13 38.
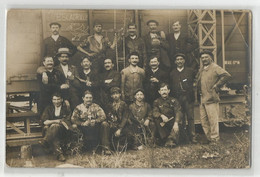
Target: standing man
pixel 95 47
pixel 55 41
pixel 157 45
pixel 132 78
pixel 181 84
pixel 211 78
pixel 154 76
pixel 69 72
pixel 56 121
pixel 134 43
pixel 50 81
pixel 167 117
pixel 110 78
pixel 180 43
pixel 90 119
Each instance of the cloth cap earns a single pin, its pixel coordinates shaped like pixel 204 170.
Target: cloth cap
pixel 115 90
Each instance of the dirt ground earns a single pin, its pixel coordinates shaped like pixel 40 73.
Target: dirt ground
pixel 233 151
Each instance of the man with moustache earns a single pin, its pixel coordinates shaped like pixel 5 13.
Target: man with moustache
pixel 71 87
pixel 90 119
pixel 180 43
pixel 55 41
pixel 89 80
pixel 50 81
pixel 181 84
pixel 110 78
pixel 134 43
pixel 210 79
pixel 132 78
pixel 154 76
pixel 157 45
pixel 167 117
pixel 96 46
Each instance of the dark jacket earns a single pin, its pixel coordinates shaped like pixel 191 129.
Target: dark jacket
pixel 181 83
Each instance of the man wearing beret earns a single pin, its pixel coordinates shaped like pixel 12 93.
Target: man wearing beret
pixel 181 84
pixel 95 47
pixel 55 41
pixel 157 45
pixel 210 79
pixel 180 43
pixel 71 85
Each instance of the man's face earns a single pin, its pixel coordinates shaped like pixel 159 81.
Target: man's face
pixel 116 96
pixel 64 58
pixel 206 59
pixel 139 96
pixel 133 60
pixel 87 99
pixel 179 61
pixel 85 63
pixel 164 92
pixel 132 30
pixel 98 28
pixel 152 27
pixel 56 100
pixel 48 63
pixel 176 27
pixel 154 63
pixel 108 64
pixel 55 29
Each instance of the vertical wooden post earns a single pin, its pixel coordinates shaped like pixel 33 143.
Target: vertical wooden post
pixel 223 38
pixel 90 21
pixel 136 17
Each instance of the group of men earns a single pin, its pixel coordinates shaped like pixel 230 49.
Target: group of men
pixel 151 98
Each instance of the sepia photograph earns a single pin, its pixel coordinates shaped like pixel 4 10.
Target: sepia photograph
pixel 129 88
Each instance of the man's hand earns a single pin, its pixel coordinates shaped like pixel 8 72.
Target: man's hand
pixel 154 79
pixel 86 123
pixel 91 54
pixel 64 86
pixel 118 133
pixel 108 81
pixel 164 118
pixel 88 83
pixel 146 122
pixel 92 123
pixel 216 88
pixel 176 127
pixel 44 78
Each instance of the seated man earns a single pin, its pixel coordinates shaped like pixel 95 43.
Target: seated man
pixel 117 117
pixel 90 119
pixel 142 122
pixel 56 121
pixel 167 117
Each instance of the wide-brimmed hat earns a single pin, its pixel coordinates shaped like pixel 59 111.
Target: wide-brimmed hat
pixel 63 51
pixel 154 21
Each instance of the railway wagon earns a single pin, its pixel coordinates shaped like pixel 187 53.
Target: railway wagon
pixel 227 33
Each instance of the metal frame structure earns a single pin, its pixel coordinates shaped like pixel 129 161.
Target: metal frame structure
pixel 202 26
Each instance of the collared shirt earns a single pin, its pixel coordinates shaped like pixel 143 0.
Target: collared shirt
pixel 55 37
pixel 176 35
pixel 57 111
pixel 180 69
pixel 154 70
pixel 65 69
pixel 141 112
pixel 82 113
pixel 133 37
pixel 94 45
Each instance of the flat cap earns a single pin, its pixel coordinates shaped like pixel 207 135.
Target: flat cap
pixel 179 54
pixel 138 90
pixel 154 21
pixel 207 52
pixel 55 23
pixel 115 90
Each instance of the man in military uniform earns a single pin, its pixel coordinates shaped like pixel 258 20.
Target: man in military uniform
pixel 55 41
pixel 181 82
pixel 56 121
pixel 71 88
pixel 167 117
pixel 90 119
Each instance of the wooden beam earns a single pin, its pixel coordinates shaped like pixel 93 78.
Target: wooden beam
pixel 15 128
pixel 223 38
pixel 90 21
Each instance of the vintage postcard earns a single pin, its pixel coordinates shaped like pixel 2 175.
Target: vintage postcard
pixel 128 88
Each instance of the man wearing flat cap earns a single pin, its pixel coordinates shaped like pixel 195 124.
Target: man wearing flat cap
pixel 70 88
pixel 156 45
pixel 55 41
pixel 181 84
pixel 210 79
pixel 95 47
